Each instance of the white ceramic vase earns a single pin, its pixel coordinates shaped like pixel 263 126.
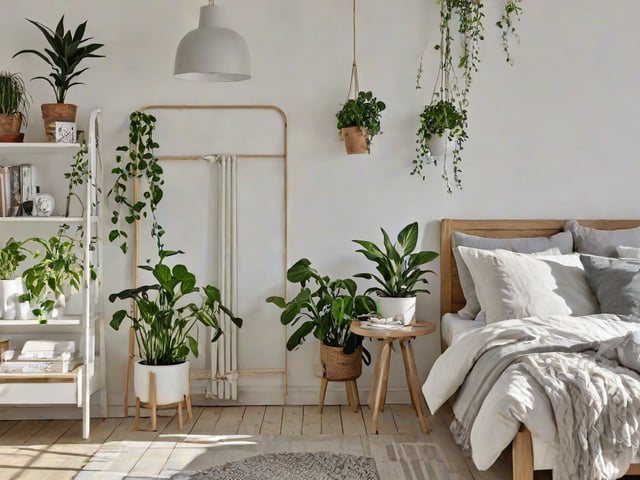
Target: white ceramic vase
pixel 402 308
pixel 440 145
pixel 11 307
pixel 172 382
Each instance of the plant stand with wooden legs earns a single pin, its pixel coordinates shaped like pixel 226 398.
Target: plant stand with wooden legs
pixel 154 407
pixel 351 388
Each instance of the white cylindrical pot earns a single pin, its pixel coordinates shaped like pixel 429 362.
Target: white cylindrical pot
pixel 403 309
pixel 59 307
pixel 440 145
pixel 11 290
pixel 172 382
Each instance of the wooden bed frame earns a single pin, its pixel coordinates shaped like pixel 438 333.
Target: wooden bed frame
pixel 452 298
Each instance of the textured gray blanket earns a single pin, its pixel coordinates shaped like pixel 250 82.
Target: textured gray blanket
pixel 593 390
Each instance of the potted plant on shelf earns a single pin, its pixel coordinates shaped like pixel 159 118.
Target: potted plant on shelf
pixel 359 122
pixel 325 309
pixel 65 51
pixel 14 104
pixel 399 272
pixel 58 273
pixel 12 285
pixel 165 311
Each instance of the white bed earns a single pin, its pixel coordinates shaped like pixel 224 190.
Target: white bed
pixel 534 448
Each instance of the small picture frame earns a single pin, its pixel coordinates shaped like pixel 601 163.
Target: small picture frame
pixel 65 132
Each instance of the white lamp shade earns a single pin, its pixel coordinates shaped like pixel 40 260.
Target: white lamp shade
pixel 212 53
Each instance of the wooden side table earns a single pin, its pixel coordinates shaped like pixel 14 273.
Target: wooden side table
pixel 385 337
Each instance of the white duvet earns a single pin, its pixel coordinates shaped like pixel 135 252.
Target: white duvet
pixel 515 398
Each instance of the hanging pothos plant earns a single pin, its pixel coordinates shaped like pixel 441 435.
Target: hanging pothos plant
pixel 444 121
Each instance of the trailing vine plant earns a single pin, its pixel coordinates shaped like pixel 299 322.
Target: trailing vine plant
pixel 137 161
pixel 446 115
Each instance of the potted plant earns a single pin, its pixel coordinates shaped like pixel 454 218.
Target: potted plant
pixel 14 104
pixel 12 286
pixel 166 312
pixel 57 274
pixel 400 275
pixel 359 122
pixel 65 51
pixel 325 309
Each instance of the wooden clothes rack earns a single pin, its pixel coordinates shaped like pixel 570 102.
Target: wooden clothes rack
pixel 281 155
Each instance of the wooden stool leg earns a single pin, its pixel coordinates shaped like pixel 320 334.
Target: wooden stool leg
pixel 188 402
pixel 136 423
pixel 350 399
pixel 415 388
pixel 374 375
pixel 381 384
pixel 356 395
pixel 179 407
pixel 152 400
pixel 323 391
pixel 407 372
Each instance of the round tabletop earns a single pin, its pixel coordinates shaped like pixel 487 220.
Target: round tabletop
pixel 408 331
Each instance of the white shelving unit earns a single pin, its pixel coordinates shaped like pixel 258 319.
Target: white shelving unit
pixel 86 327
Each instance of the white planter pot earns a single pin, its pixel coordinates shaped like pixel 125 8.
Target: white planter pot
pixel 172 382
pixel 11 308
pixel 441 145
pixel 402 308
pixel 58 307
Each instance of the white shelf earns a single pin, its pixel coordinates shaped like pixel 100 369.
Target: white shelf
pixel 40 148
pixel 53 219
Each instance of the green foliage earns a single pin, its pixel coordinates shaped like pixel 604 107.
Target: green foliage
pixel 325 308
pixel 397 264
pixel 166 314
pixel 438 119
pixel 66 50
pixel 14 98
pixel 364 111
pixel 11 256
pixel 140 163
pixel 59 270
pixel 77 176
pixel 450 101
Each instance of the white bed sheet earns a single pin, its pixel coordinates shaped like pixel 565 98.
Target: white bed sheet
pixel 515 397
pixel 453 325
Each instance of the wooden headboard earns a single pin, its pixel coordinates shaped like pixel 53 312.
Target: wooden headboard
pixel 451 297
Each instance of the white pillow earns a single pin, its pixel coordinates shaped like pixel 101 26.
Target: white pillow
pixel 518 285
pixel 628 252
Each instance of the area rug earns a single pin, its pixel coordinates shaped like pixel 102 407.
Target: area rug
pixel 291 466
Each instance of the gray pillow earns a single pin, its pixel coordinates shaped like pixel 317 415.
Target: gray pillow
pixel 615 282
pixel 562 240
pixel 601 242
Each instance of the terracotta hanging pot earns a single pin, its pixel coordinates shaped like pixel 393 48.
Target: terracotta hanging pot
pixel 57 112
pixel 355 140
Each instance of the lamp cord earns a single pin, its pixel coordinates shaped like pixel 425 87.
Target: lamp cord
pixel 354 68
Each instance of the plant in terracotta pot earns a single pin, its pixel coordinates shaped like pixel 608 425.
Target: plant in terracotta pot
pixel 11 284
pixel 400 273
pixel 14 104
pixel 325 309
pixel 359 121
pixel 64 53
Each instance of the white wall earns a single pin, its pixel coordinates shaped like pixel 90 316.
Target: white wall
pixel 551 137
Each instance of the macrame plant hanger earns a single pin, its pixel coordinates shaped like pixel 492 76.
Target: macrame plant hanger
pixel 353 83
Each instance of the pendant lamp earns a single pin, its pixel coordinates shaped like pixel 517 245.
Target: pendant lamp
pixel 211 52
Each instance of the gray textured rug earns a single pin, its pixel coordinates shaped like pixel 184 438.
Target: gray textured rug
pixel 291 466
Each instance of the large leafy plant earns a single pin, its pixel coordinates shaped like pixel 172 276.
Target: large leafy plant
pixel 65 52
pixel 364 111
pixel 400 272
pixel 14 98
pixel 167 311
pixel 323 308
pixel 11 256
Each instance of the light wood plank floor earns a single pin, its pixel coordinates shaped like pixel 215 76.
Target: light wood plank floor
pixel 54 449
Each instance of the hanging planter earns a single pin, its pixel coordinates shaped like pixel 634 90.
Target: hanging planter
pixel 359 119
pixel 443 122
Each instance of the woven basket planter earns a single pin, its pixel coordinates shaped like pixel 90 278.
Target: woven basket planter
pixel 337 366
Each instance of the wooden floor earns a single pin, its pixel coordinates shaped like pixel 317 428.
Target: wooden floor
pixel 54 449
